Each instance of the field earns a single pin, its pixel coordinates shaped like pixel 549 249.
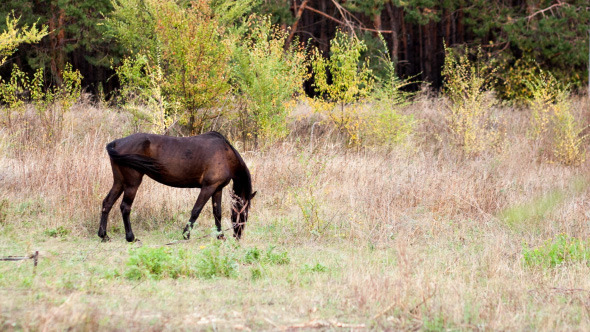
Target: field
pixel 417 236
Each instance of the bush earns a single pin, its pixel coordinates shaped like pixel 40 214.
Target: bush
pixel 468 85
pixel 349 84
pixel 265 78
pixel 553 123
pixel 186 58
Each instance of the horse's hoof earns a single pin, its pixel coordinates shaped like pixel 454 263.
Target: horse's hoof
pixel 221 237
pixel 131 238
pixel 105 238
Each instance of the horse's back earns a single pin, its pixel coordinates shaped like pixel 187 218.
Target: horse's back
pixel 181 161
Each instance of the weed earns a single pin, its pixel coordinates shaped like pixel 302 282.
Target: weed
pixel 59 231
pixel 276 258
pixel 152 263
pixel 555 252
pixel 522 215
pixel 216 261
pixel 318 267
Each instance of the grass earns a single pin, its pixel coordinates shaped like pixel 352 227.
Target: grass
pixel 415 237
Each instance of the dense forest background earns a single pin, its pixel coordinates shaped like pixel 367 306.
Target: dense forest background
pixel 552 33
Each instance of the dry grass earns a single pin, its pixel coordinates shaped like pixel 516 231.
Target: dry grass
pixel 415 237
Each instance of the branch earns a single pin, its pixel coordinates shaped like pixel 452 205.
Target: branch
pixel 294 27
pixel 344 23
pixel 550 8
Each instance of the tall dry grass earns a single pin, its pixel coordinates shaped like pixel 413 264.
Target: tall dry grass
pixel 425 237
pixel 311 180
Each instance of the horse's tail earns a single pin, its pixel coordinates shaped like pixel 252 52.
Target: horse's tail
pixel 138 162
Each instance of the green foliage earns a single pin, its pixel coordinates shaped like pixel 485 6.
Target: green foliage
pixel 265 78
pixel 349 83
pixel 467 84
pixel 270 256
pixel 185 53
pixel 555 252
pixel 553 123
pixel 13 36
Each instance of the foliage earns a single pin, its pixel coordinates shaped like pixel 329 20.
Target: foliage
pixel 265 78
pixel 185 44
pixel 513 79
pixel 467 84
pixel 552 120
pixel 342 81
pixel 76 36
pixel 555 252
pixel 270 256
pixel 13 36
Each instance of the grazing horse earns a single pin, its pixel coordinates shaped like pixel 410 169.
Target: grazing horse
pixel 207 161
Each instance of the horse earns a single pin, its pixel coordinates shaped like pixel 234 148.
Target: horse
pixel 206 161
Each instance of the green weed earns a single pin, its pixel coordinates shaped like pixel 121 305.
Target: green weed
pixel 555 252
pixel 59 231
pixel 318 267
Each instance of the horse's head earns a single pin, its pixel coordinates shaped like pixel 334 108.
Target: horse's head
pixel 239 213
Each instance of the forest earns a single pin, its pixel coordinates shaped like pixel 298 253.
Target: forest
pixel 419 165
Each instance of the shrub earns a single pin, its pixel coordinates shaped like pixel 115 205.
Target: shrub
pixel 216 261
pixel 349 83
pixel 265 78
pixel 385 125
pixel 186 57
pixel 468 86
pixel 553 123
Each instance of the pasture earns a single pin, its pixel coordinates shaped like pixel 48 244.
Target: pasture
pixel 412 237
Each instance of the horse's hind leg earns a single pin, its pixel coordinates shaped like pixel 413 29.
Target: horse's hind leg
pixel 204 196
pixel 128 198
pixel 107 204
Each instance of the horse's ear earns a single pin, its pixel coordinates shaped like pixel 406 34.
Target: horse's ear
pixel 253 194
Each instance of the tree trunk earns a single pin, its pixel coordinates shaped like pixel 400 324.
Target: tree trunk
pixel 57 43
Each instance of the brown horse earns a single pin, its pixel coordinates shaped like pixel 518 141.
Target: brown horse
pixel 207 161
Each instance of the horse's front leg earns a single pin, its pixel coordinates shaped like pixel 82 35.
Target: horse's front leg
pixel 216 202
pixel 204 196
